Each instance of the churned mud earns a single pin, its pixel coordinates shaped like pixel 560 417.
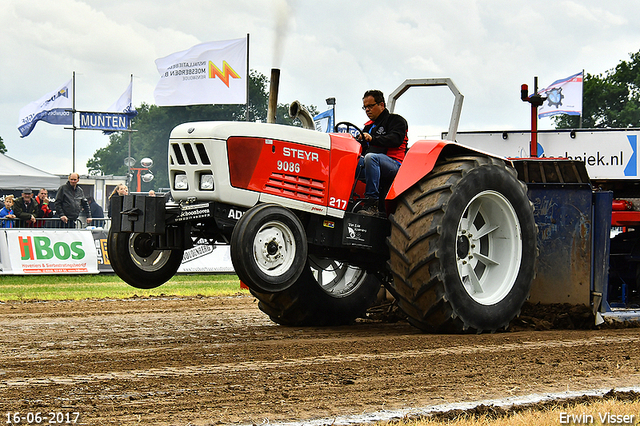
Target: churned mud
pixel 208 361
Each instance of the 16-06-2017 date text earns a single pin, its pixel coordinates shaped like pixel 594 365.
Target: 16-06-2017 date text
pixel 41 418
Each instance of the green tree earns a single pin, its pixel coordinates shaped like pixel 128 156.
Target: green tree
pixel 3 148
pixel 153 126
pixel 609 100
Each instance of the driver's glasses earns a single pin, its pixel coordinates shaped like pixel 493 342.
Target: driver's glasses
pixel 367 107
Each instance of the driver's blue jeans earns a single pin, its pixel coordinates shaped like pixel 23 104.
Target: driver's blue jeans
pixel 373 167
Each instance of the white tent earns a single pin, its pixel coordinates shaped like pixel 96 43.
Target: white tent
pixel 17 175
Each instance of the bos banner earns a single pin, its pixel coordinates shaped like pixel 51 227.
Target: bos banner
pixel 29 251
pixel 85 251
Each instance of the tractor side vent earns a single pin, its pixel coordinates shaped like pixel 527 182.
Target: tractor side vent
pixel 300 188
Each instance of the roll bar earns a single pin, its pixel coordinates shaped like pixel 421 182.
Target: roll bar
pixel 457 104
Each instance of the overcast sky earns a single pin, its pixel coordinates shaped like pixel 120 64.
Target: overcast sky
pixel 332 48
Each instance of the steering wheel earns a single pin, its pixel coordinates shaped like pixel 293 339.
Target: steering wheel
pixel 347 127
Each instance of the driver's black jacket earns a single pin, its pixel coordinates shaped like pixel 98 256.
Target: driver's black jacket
pixel 388 135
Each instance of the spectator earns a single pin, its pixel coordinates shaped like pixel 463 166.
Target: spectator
pixel 70 201
pixel 6 213
pixel 121 190
pixel 152 193
pixel 26 209
pixel 96 212
pixel 43 210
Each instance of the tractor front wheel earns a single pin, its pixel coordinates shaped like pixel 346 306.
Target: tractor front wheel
pixel 269 248
pixel 134 257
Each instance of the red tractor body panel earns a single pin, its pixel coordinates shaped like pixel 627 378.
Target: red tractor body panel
pixel 295 171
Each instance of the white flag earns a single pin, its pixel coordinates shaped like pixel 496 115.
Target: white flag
pixel 208 73
pixel 563 97
pixel 54 108
pixel 124 103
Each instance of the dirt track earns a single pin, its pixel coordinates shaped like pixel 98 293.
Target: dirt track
pixel 202 361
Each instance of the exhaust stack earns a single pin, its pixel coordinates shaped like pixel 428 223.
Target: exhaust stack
pixel 296 110
pixel 273 95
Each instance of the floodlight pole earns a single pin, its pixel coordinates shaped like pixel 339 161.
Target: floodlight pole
pixel 73 123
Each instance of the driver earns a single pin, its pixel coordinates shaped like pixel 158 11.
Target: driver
pixel 384 139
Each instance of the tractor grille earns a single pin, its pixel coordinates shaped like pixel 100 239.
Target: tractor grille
pixel 184 153
pixel 297 187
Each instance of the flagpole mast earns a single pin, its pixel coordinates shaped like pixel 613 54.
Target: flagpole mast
pixel 534 122
pixel 73 122
pixel 129 164
pixel 535 100
pixel 582 97
pixel 247 107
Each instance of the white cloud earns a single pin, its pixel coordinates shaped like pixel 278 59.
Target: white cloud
pixel 328 49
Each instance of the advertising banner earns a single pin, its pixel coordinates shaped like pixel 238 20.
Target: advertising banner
pixel 324 121
pixel 100 242
pixel 51 252
pixel 208 73
pixel 207 258
pixel 607 153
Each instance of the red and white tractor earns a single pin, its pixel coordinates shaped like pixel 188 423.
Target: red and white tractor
pixel 457 248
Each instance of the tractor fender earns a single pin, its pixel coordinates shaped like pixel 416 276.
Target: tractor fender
pixel 421 159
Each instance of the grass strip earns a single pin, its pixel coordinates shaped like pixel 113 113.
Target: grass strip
pixel 105 286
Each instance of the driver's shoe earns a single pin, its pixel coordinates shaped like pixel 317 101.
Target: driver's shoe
pixel 371 207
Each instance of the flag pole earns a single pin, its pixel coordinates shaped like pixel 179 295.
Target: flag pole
pixel 73 122
pixel 582 97
pixel 247 107
pixel 129 165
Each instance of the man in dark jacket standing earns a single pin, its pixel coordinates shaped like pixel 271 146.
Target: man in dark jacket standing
pixel 385 139
pixel 70 201
pixel 26 209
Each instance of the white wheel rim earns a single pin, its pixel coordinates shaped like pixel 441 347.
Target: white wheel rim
pixel 154 261
pixel 488 247
pixel 337 278
pixel 274 249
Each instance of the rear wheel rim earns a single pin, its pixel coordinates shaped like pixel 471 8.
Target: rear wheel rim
pixel 339 279
pixel 488 247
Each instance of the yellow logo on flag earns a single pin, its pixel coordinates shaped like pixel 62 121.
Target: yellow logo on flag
pixel 223 75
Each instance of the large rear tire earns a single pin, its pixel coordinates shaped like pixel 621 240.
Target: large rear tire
pixel 327 293
pixel 135 259
pixel 463 247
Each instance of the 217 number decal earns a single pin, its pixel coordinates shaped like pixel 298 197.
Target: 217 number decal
pixel 337 203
